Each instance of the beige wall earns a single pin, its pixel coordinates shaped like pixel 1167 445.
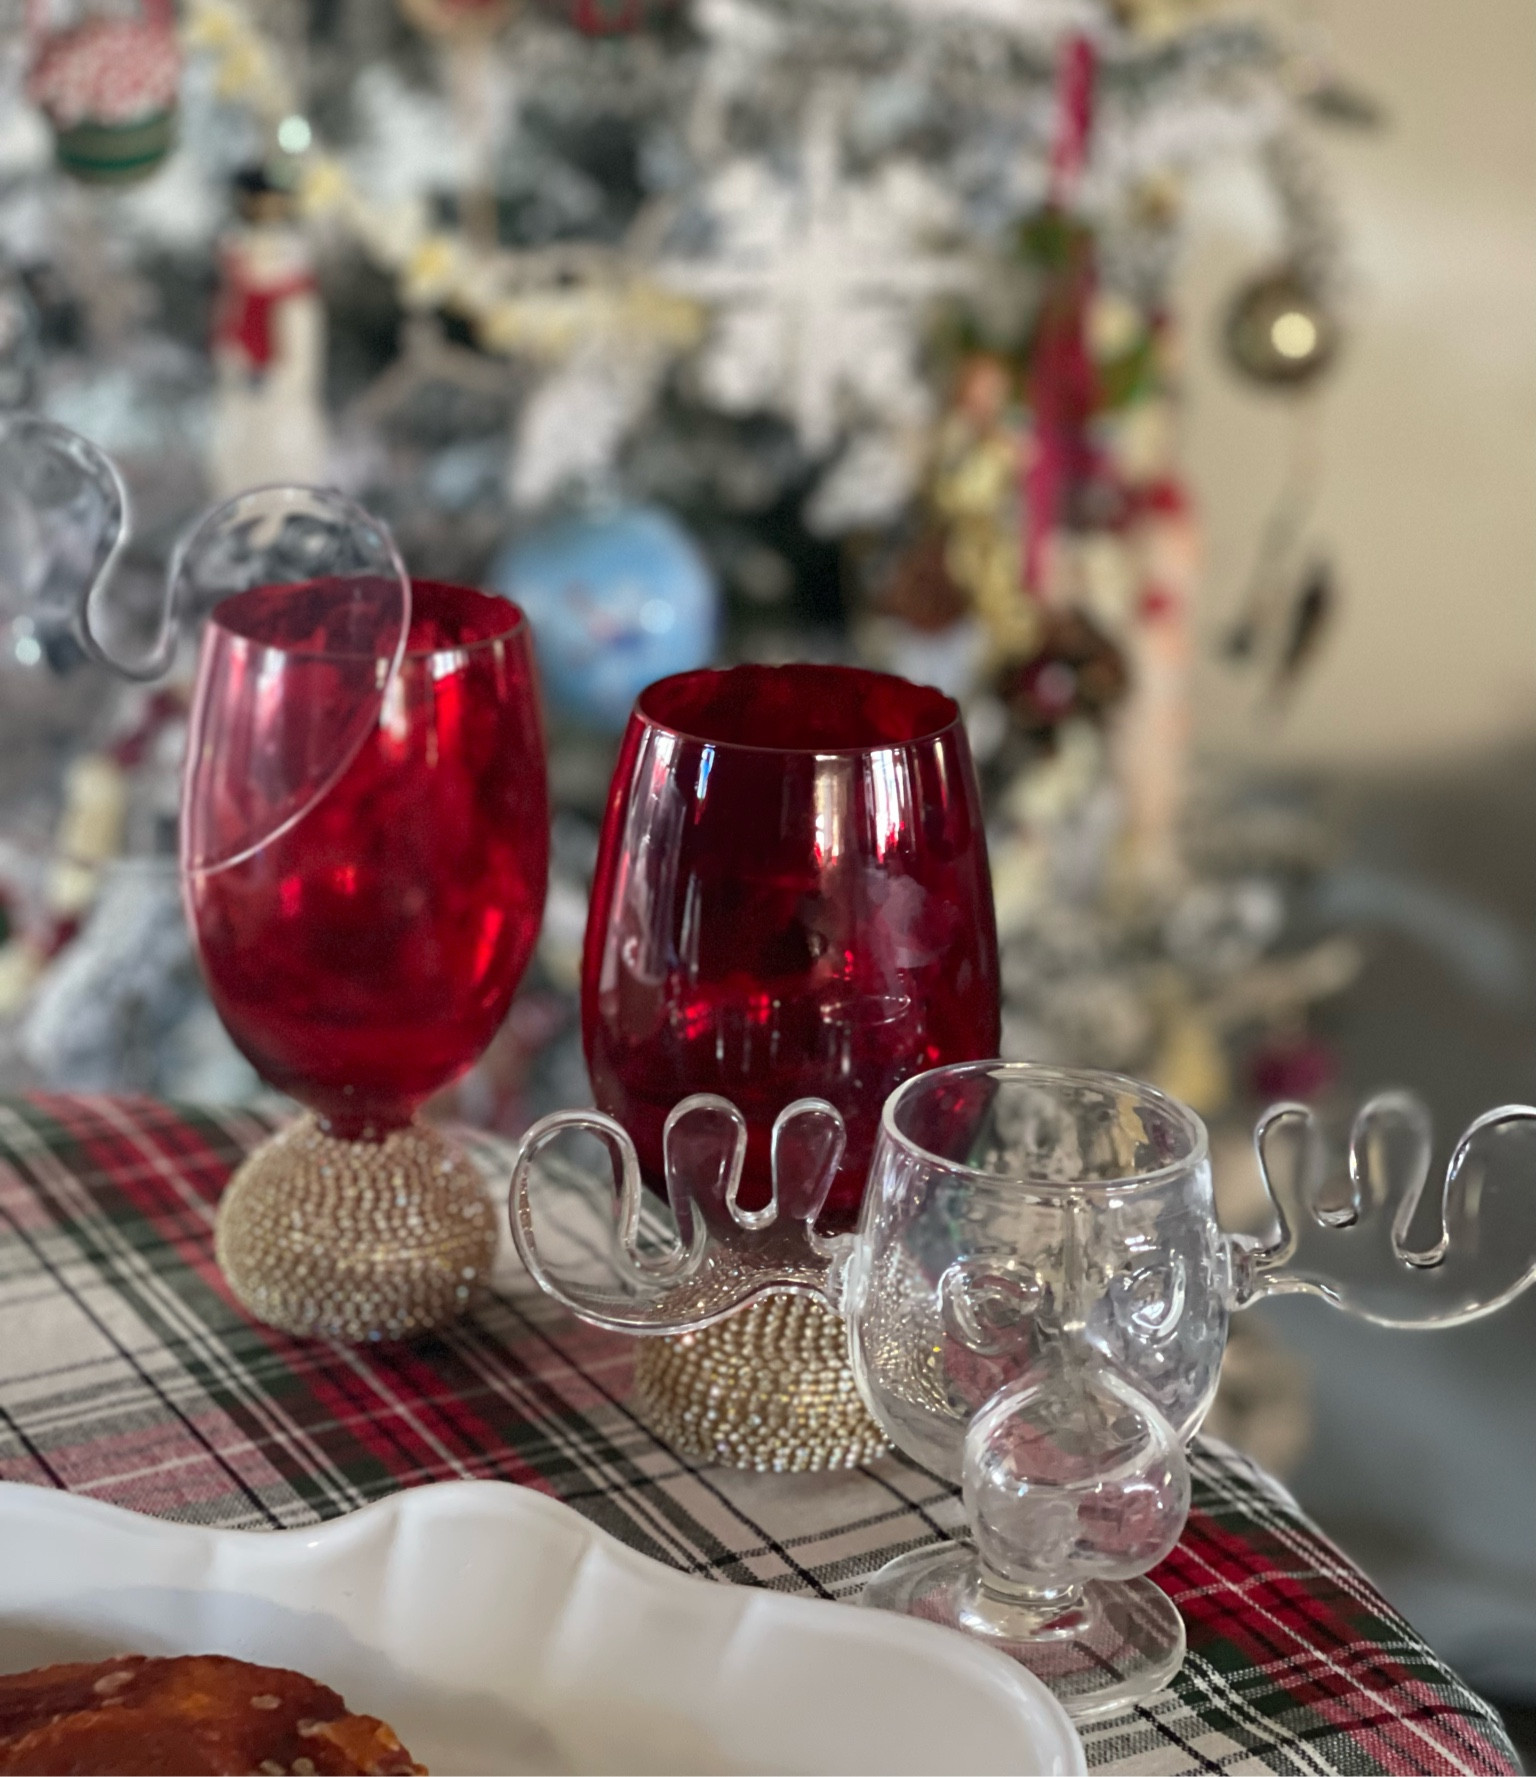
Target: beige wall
pixel 1428 427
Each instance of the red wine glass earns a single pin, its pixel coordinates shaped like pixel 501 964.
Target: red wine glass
pixel 791 901
pixel 364 853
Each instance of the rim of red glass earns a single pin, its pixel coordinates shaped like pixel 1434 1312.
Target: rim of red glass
pixel 517 619
pixel 1190 1125
pixel 940 713
pixel 394 664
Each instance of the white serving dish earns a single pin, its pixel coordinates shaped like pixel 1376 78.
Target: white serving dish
pixel 497 1630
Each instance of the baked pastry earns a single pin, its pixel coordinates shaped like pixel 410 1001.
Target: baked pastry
pixel 199 1713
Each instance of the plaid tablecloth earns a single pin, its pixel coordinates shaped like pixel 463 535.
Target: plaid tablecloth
pixel 127 1373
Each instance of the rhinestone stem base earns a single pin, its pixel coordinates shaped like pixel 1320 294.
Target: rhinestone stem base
pixel 770 1388
pixel 355 1239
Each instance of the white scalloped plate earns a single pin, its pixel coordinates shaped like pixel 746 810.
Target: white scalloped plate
pixel 497 1630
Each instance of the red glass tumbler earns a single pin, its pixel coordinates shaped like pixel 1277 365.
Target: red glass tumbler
pixel 791 900
pixel 365 850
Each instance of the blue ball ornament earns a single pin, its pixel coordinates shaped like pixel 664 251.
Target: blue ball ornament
pixel 617 597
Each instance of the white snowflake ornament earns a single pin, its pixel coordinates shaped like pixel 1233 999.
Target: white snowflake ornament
pixel 817 285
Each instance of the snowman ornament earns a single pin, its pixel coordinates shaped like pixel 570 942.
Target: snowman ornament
pixel 269 347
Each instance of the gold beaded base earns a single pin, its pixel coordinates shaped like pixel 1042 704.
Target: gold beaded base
pixel 355 1239
pixel 768 1388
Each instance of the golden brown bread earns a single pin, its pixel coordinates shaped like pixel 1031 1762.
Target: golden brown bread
pixel 200 1713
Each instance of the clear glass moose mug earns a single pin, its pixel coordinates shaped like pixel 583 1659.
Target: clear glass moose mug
pixel 1037 1299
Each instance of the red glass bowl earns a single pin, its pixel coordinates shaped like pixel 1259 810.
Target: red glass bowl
pixel 389 855
pixel 791 900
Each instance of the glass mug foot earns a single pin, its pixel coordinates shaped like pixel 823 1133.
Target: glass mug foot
pixel 355 1240
pixel 1098 1648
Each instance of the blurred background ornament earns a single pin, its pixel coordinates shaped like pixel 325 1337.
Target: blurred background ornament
pixel 924 628
pixel 1075 671
pixel 1061 388
pixel 606 18
pixel 818 283
pixel 573 426
pixel 1217 928
pixel 1292 1066
pixel 269 345
pixel 1279 332
pixel 1282 332
pixel 974 485
pixel 1160 19
pixel 921 591
pixel 617 596
pixel 482 94
pixel 465 19
pixel 248 69
pixel 109 87
pixel 1309 620
pixel 1283 328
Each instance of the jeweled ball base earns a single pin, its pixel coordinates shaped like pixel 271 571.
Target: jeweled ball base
pixel 357 1240
pixel 769 1388
pixel 1108 1645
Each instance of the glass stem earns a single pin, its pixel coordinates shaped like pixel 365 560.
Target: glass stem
pixel 1039 1605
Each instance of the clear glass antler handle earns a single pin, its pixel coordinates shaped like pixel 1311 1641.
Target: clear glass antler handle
pixel 65 522
pixel 63 526
pixel 633 1275
pixel 1386 1248
pixel 1377 1249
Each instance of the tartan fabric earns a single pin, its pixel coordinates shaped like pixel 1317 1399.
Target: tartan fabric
pixel 126 1373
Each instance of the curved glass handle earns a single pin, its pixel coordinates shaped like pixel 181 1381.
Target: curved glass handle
pixel 611 1258
pixel 65 525
pixel 303 581
pixel 65 522
pixel 1358 1250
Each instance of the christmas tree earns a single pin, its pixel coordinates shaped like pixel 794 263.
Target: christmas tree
pixel 737 329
